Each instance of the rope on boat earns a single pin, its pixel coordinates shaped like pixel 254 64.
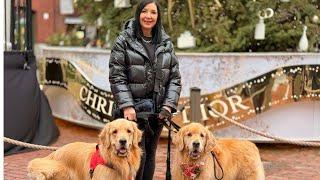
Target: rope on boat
pixel 29 145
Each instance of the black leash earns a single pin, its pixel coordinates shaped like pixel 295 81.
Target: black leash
pixel 168 171
pixel 168 123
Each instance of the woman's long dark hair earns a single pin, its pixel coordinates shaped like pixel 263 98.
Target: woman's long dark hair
pixel 156 30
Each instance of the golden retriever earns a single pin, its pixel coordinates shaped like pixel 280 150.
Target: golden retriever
pixel 239 159
pixel 118 146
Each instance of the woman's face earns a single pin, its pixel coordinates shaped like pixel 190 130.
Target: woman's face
pixel 148 18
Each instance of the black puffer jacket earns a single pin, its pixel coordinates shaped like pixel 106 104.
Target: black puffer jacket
pixel 131 72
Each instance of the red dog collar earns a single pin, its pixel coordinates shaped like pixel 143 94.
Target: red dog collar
pixel 191 171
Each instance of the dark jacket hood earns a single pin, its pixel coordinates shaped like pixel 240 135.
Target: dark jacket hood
pixel 128 31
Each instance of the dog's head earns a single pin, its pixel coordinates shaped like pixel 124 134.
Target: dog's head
pixel 120 136
pixel 194 139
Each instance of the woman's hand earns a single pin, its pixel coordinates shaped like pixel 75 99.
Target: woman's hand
pixel 165 112
pixel 129 113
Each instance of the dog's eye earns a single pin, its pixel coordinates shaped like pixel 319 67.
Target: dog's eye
pixel 189 134
pixel 114 132
pixel 128 131
pixel 201 135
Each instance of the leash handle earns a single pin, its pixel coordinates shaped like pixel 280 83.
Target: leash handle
pixel 214 166
pixel 168 171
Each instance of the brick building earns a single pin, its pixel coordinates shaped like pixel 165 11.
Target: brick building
pixel 52 16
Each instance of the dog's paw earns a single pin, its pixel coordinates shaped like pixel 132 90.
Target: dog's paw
pixel 36 176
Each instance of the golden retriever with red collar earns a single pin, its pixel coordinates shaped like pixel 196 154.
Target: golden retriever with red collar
pixel 239 159
pixel 118 147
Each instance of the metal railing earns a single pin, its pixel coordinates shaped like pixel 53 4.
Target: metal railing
pixel 18 25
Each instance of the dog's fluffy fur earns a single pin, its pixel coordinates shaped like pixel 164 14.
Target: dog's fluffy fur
pixel 72 161
pixel 239 159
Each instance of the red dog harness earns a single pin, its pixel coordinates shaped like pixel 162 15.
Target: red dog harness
pixel 96 160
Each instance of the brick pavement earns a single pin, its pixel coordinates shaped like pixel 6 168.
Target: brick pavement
pixel 280 161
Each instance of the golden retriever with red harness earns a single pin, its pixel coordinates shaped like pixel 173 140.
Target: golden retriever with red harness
pixel 117 156
pixel 200 156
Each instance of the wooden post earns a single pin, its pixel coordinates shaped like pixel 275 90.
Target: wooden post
pixel 195 104
pixel 170 6
pixel 190 4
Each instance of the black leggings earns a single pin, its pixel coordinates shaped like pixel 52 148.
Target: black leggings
pixel 151 134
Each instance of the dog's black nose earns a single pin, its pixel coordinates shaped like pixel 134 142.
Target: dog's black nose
pixel 195 144
pixel 122 141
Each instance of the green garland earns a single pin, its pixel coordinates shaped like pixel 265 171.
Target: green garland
pixel 228 27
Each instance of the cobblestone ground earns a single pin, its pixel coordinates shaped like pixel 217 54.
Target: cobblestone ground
pixel 280 161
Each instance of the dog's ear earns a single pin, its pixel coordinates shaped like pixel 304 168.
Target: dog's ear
pixel 104 136
pixel 211 141
pixel 137 134
pixel 178 140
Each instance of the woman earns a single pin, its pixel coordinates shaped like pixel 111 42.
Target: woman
pixel 134 63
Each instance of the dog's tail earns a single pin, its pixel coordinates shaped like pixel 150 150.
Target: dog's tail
pixel 259 170
pixel 257 165
pixel 43 169
pixel 260 173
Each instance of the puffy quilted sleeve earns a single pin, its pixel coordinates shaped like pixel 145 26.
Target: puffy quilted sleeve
pixel 117 74
pixel 173 88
